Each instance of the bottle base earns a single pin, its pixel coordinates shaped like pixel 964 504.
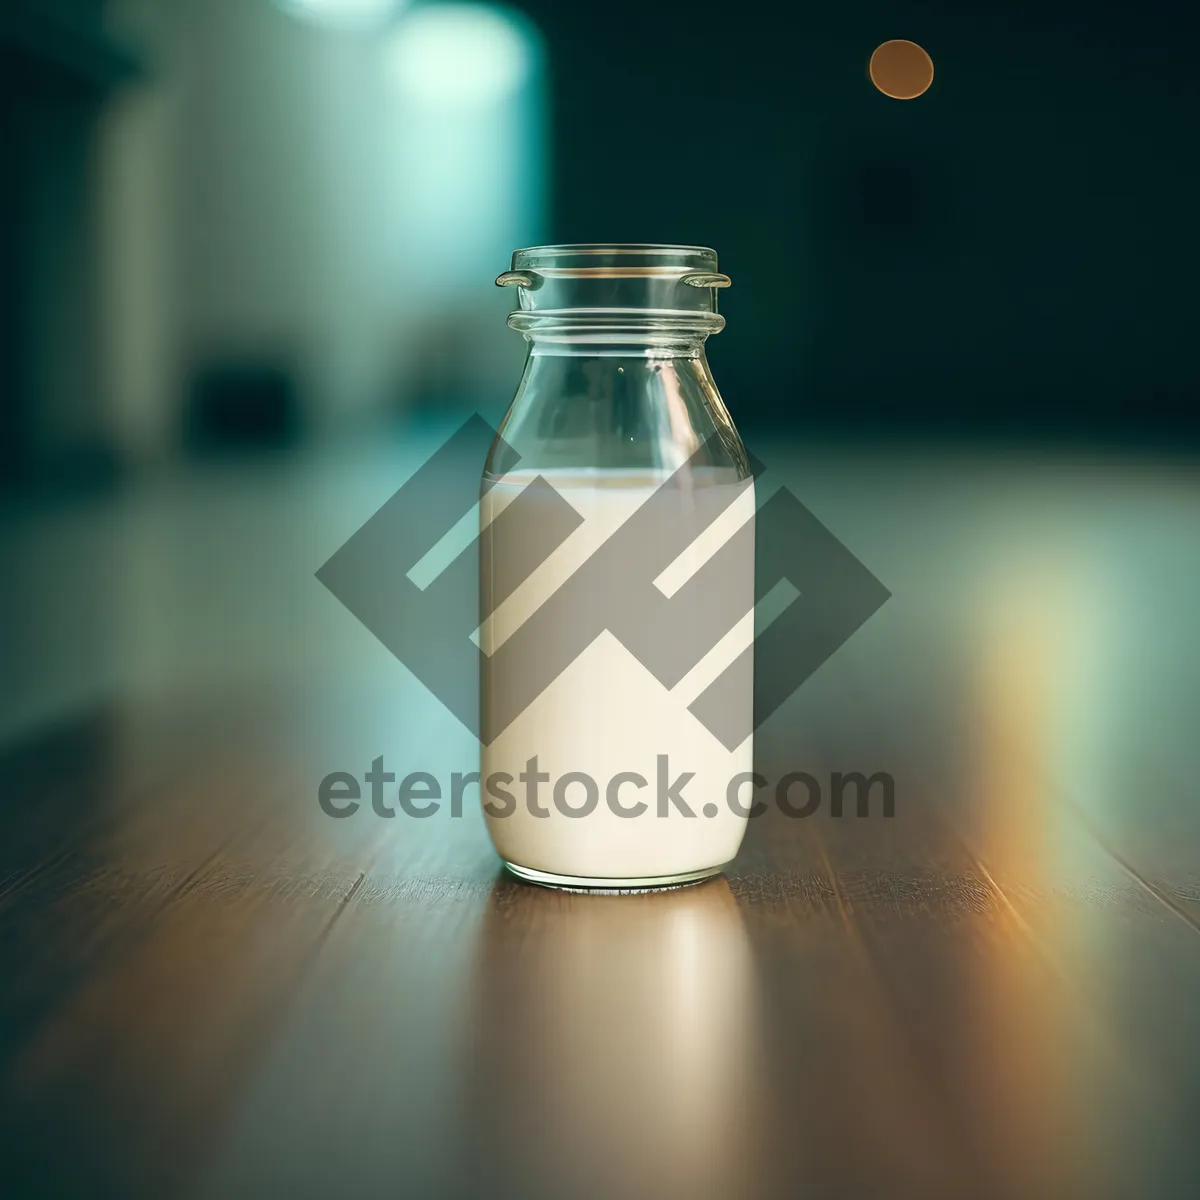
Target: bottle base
pixel 587 883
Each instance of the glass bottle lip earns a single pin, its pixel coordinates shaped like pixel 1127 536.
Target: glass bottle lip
pixel 614 260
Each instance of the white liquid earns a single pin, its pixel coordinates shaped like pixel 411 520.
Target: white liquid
pixel 606 713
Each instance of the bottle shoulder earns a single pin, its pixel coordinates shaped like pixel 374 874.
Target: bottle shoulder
pixel 617 414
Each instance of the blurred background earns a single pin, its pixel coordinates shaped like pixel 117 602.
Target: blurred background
pixel 249 245
pixel 259 221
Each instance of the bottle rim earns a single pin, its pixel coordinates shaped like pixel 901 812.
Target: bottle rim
pixel 584 259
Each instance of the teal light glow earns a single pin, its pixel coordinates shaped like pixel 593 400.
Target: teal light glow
pixel 460 54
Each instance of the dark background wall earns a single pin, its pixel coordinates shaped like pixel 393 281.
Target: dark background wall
pixel 1011 255
pixel 1013 252
pixel 58 68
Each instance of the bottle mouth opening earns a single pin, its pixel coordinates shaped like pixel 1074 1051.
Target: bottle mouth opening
pixel 613 260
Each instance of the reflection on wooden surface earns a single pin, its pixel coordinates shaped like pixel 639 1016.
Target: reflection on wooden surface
pixel 614 1044
pixel 211 988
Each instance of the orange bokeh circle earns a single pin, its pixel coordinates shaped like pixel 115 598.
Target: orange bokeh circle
pixel 901 69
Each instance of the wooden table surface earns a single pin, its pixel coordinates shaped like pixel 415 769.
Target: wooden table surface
pixel 210 988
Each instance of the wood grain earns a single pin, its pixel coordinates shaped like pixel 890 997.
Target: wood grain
pixel 211 988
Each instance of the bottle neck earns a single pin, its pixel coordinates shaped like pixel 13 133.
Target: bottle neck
pixel 640 411
pixel 616 333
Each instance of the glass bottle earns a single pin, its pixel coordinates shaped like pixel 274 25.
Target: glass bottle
pixel 616 578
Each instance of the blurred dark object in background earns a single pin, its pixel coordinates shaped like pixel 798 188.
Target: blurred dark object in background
pixel 58 66
pixel 243 405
